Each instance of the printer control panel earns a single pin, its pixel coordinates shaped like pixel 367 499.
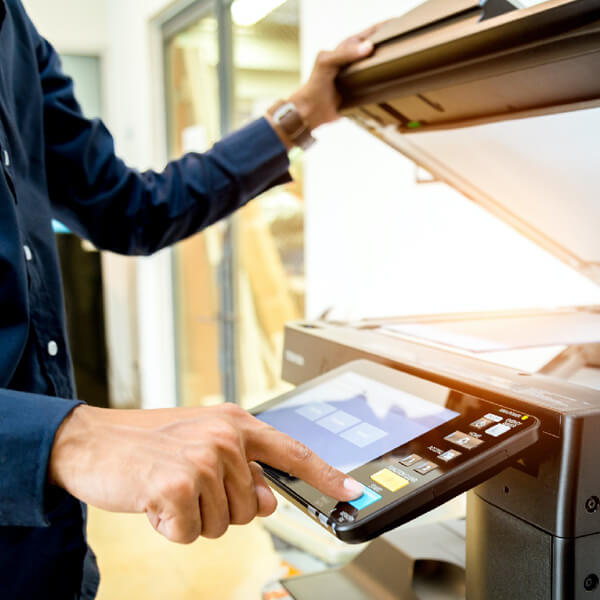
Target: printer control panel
pixel 412 444
pixel 420 475
pixel 441 462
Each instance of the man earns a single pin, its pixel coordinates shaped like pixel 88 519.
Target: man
pixel 192 471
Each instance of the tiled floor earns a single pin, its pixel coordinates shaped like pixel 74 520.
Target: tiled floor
pixel 135 562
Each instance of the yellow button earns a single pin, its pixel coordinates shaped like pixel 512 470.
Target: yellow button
pixel 389 480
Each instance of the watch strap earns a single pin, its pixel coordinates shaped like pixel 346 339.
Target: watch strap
pixel 286 116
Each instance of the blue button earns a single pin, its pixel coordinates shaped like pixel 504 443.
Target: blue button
pixel 368 497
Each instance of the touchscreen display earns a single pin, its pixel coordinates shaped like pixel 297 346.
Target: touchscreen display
pixel 351 419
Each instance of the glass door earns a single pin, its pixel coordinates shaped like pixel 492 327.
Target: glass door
pixel 192 84
pixel 238 282
pixel 269 241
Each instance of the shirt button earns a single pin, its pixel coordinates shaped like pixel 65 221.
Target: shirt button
pixel 52 348
pixel 28 254
pixel 6 158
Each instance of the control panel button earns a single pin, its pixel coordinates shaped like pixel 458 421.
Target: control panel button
pixel 463 440
pixel 493 417
pixel 481 423
pixel 389 480
pixel 449 455
pixel 497 430
pixel 427 467
pixel 409 461
pixel 368 498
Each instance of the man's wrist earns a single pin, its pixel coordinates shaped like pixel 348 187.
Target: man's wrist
pixel 68 436
pixel 292 123
pixel 306 109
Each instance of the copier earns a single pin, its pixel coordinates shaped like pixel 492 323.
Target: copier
pixel 502 103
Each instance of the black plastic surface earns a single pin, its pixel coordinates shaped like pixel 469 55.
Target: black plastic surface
pixel 423 491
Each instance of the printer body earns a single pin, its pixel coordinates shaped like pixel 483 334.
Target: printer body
pixel 472 92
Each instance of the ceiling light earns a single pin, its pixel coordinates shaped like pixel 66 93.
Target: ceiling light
pixel 249 12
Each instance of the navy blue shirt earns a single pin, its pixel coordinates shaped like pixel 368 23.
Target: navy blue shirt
pixel 57 164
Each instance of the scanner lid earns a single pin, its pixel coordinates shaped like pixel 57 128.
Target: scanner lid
pixel 500 102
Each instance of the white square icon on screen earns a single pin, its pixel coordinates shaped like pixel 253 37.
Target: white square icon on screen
pixel 315 410
pixel 338 421
pixel 364 434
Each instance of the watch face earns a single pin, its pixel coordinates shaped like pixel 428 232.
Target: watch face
pixel 289 119
pixel 283 111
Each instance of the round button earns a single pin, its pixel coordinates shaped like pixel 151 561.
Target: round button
pixel 28 253
pixel 52 348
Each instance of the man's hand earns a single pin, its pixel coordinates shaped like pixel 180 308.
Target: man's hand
pixel 192 471
pixel 318 100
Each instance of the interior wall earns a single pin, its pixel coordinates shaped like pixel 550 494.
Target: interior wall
pixel 378 244
pixel 73 26
pixel 135 103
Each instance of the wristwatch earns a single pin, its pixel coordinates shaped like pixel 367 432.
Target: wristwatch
pixel 286 116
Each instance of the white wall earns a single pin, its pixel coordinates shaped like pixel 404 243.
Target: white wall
pixel 377 244
pixel 74 26
pixel 137 123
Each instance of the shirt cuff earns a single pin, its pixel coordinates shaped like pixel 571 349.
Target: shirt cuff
pixel 28 424
pixel 257 156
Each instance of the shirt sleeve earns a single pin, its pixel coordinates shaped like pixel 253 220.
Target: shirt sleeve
pixel 28 424
pixel 120 209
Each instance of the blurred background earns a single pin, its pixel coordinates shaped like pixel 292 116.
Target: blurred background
pixel 359 233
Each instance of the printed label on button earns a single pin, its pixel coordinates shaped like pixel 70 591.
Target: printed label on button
pixel 425 468
pixel 409 461
pixel 493 417
pixel 481 423
pixel 497 430
pixel 463 440
pixel 368 498
pixel 389 480
pixel 449 455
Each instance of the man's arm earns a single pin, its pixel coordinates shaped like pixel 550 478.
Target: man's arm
pixel 27 426
pixel 98 197
pixel 192 471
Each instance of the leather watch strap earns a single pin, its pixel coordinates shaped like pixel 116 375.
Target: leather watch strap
pixel 286 116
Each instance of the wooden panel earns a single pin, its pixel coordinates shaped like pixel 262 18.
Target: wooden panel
pixel 198 307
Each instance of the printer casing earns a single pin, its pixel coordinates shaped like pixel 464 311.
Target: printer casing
pixel 533 531
pixel 448 82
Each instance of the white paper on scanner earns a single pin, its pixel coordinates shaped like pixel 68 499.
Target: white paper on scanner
pixel 500 334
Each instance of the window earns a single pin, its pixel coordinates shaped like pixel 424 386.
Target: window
pixel 238 282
